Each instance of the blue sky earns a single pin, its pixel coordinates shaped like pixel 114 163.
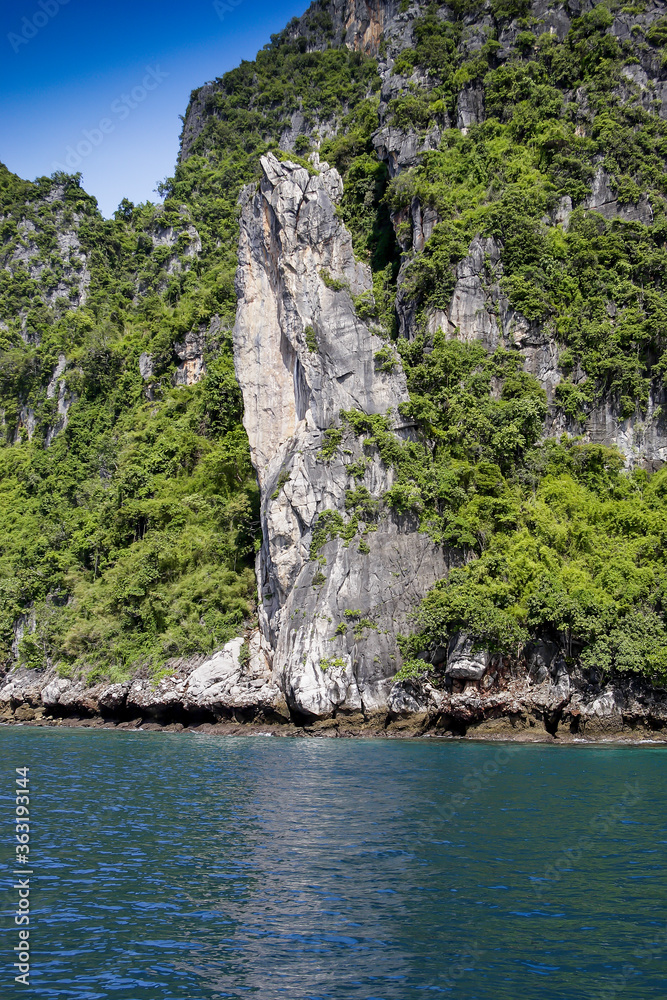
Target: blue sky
pixel 98 86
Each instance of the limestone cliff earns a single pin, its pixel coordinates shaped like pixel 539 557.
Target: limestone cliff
pixel 339 573
pixel 479 310
pixel 330 611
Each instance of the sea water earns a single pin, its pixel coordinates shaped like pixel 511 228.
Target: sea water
pixel 188 866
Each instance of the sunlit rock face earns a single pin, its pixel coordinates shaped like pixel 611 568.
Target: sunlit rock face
pixel 302 356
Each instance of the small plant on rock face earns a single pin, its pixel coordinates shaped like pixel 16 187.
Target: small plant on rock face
pixel 335 284
pixel 334 661
pixel 332 439
pixel 365 307
pixel 282 479
pixel 413 669
pixel 362 625
pixel 357 470
pixel 311 339
pixel 404 234
pixel 160 675
pixel 385 359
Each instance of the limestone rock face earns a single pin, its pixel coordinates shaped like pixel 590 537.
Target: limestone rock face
pixel 302 355
pixel 215 687
pixel 479 310
pixel 190 353
pixel 602 199
pixel 65 287
pixel 400 148
pixel 470 106
pixel 464 662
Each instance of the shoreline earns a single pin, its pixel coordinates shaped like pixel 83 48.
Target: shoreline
pixel 221 696
pixel 341 728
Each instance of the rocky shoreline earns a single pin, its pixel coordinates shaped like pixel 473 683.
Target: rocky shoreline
pixel 380 728
pixel 234 692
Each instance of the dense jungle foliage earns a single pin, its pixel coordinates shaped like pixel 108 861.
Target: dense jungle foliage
pixel 553 538
pixel 557 115
pixel 569 545
pixel 129 536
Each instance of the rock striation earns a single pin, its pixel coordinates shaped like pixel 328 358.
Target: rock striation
pixel 330 611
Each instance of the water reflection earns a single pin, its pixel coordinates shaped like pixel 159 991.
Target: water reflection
pixel 180 866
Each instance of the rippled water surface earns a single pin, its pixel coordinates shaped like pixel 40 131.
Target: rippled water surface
pixel 183 866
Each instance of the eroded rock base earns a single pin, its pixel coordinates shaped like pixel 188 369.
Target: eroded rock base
pixel 478 696
pixel 522 726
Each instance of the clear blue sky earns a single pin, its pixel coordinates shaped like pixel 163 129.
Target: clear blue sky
pixel 67 67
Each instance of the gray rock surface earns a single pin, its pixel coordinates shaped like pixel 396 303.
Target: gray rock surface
pixel 24 254
pixel 464 662
pixel 470 106
pixel 480 310
pixel 400 148
pixel 539 695
pixel 602 199
pixel 146 366
pixel 331 607
pixel 302 355
pixel 217 687
pixel 190 353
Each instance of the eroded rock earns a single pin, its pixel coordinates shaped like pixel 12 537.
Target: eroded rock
pixel 302 356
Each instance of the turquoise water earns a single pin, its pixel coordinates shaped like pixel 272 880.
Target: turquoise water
pixel 183 866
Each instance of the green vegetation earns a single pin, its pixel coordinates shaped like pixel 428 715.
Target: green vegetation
pixel 130 534
pixel 549 539
pixel 334 661
pixel 335 284
pixel 598 286
pixel 361 515
pixel 359 622
pixel 365 211
pixel 282 479
pixel 244 116
pixel 332 439
pixel 582 566
pixel 413 669
pixel 311 339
